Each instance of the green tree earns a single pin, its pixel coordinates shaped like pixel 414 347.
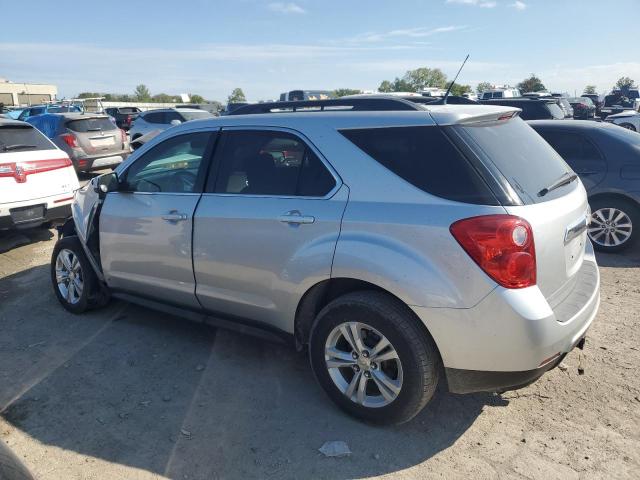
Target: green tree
pixel 142 93
pixel 385 87
pixel 590 90
pixel 164 98
pixel 425 77
pixel 458 89
pixel 624 84
pixel 90 95
pixel 195 98
pixel 343 92
pixel 484 86
pixel 531 84
pixel 236 96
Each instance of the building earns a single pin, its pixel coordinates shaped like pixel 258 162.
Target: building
pixel 13 94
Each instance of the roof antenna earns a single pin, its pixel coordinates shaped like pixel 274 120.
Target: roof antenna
pixel 444 100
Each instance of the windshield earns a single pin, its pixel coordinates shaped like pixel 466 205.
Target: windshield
pixel 196 115
pixel 522 156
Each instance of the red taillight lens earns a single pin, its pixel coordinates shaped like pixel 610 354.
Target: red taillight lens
pixel 20 170
pixel 70 139
pixel 128 120
pixel 502 245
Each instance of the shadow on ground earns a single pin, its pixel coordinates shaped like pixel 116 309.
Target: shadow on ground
pixel 10 239
pixel 151 391
pixel 625 259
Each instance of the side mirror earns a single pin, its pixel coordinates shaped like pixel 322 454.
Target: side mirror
pixel 107 183
pixel 175 122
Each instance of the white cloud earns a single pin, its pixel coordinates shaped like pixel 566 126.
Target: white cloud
pixel 286 8
pixel 518 5
pixel 476 3
pixel 410 33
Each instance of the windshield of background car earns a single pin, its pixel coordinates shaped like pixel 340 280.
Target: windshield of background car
pixel 196 115
pixel 23 135
pixel 522 156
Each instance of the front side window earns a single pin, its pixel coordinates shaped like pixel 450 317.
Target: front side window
pixel 270 163
pixel 173 166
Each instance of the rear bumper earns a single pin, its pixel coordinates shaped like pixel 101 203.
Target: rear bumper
pixel 86 163
pixel 54 214
pixel 507 339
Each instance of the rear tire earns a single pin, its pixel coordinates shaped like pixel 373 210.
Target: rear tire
pixel 614 224
pixel 74 282
pixel 399 379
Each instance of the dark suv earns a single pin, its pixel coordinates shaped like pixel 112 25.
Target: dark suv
pixel 607 159
pixel 532 108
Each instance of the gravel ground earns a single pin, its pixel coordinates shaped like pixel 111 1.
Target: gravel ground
pixel 128 393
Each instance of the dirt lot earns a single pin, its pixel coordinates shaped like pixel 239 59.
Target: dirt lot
pixel 128 393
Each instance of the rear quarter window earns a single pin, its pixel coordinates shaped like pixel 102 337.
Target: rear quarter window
pixel 426 158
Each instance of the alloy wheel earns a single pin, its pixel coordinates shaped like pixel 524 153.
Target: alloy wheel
pixel 363 364
pixel 69 276
pixel 610 227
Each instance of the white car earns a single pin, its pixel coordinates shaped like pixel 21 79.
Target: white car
pixel 37 179
pixel 629 119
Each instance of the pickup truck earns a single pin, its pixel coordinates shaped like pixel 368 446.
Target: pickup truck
pixel 619 101
pixel 123 116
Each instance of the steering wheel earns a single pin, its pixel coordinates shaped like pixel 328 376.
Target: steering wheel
pixel 184 180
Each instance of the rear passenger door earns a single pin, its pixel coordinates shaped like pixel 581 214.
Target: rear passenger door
pixel 267 225
pixel 580 153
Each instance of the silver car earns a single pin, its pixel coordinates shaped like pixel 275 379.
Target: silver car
pixel 403 245
pixel 163 118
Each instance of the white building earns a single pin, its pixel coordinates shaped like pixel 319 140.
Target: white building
pixel 12 93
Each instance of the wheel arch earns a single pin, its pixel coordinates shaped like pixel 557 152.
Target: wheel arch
pixel 612 195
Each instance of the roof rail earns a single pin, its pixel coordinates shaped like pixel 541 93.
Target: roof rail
pixel 371 104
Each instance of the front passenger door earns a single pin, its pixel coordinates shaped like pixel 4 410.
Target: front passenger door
pixel 145 227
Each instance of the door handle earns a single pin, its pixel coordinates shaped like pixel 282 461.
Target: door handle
pixel 295 218
pixel 174 217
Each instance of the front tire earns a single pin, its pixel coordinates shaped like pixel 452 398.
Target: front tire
pixel 74 282
pixel 614 224
pixel 373 359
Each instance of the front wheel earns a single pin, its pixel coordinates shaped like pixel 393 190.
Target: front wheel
pixel 373 359
pixel 74 282
pixel 614 224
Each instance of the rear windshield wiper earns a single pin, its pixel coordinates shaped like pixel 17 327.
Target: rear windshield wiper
pixel 566 178
pixel 18 146
pixel 97 129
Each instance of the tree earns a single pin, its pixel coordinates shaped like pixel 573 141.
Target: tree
pixel 343 92
pixel 385 87
pixel 425 77
pixel 624 84
pixel 195 98
pixel 142 93
pixel 236 96
pixel 531 84
pixel 590 90
pixel 164 98
pixel 484 86
pixel 458 89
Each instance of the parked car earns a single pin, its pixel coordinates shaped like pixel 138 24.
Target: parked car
pixel 597 101
pixel 583 108
pixel 91 140
pixel 405 245
pixel 499 93
pixel 536 94
pixel 618 101
pixel 607 159
pixel 48 108
pixel 565 105
pixel 123 116
pixel 629 119
pixel 163 118
pixel 532 108
pixel 37 180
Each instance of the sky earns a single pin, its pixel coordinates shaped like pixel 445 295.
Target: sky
pixel 268 47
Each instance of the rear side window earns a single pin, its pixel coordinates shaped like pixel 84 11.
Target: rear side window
pixel 91 125
pixel 527 162
pixel 426 158
pixel 154 117
pixel 18 138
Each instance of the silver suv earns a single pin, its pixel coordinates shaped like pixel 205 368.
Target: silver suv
pixel 404 245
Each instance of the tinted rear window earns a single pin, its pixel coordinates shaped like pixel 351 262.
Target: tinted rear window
pixel 26 136
pixel 195 115
pixel 527 162
pixel 91 125
pixel 424 157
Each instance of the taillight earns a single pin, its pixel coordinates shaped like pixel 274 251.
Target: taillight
pixel 128 120
pixel 70 140
pixel 502 245
pixel 20 170
pixel 123 136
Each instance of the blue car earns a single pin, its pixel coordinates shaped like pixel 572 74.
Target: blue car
pixel 52 108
